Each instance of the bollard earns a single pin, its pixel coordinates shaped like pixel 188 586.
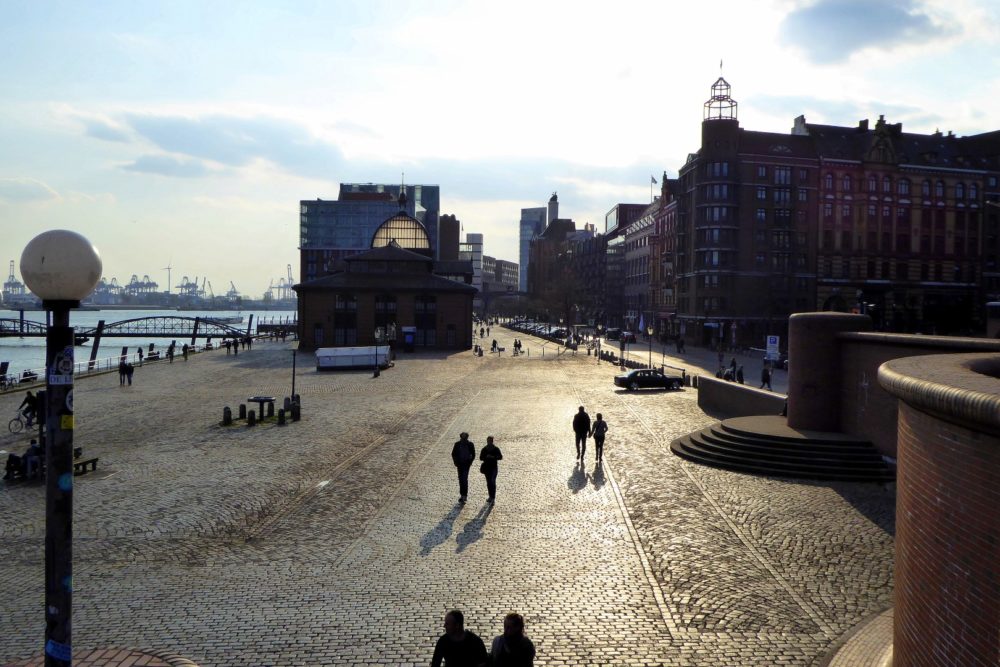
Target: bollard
pixel 270 409
pixel 296 414
pixel 281 417
pixel 251 418
pixel 227 416
pixel 297 399
pixel 288 403
pixel 243 411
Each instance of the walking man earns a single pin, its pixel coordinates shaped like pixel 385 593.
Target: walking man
pixel 458 647
pixel 463 454
pixel 598 431
pixel 489 456
pixel 581 427
pixel 765 377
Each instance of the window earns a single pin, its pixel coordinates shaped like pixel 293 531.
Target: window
pixel 886 184
pixel 939 189
pixel 761 171
pixel 960 191
pixel 783 175
pixel 845 183
pixel 803 175
pixel 717 169
pixel 828 181
pixel 872 184
pixel 828 211
pixel 872 243
pixel 425 320
pixel 904 186
pixel 902 242
pixel 759 259
pixel 783 217
pixel 760 237
pixel 845 241
pixel 828 239
pixel 973 191
pixel 803 194
pixel 845 214
pixel 925 188
pixel 781 239
pixel 761 193
pixel 761 216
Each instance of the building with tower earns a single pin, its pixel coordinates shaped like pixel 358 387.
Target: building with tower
pixel 870 219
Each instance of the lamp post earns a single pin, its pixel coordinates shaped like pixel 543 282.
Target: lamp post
pixel 61 267
pixel 649 334
pixel 375 370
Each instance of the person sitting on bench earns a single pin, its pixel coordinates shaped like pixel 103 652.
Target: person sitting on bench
pixel 25 465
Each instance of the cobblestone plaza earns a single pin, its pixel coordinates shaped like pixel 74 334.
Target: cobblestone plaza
pixel 338 540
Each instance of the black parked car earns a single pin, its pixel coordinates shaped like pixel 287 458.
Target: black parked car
pixel 646 378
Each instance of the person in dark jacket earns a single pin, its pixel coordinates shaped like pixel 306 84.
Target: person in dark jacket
pixel 489 456
pixel 597 432
pixel 512 648
pixel 463 454
pixel 458 647
pixel 29 408
pixel 581 427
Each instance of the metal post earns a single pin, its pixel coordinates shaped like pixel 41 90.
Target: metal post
pixel 59 486
pixel 293 374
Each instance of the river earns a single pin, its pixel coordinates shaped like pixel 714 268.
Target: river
pixel 29 353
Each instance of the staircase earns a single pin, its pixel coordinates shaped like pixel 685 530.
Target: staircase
pixel 767 446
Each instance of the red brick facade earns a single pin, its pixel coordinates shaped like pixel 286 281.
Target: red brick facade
pixel 947 544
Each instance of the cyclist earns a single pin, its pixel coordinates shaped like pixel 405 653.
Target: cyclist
pixel 30 408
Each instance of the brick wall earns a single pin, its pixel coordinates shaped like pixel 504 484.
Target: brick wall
pixel 947 544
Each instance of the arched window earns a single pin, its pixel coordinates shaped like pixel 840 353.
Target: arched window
pixel 886 184
pixel 872 184
pixel 904 186
pixel 973 191
pixel 845 183
pixel 828 182
pixel 960 191
pixel 925 188
pixel 407 232
pixel 939 189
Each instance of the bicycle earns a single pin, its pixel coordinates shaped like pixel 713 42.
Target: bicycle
pixel 17 424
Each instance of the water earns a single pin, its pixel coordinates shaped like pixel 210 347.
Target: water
pixel 29 353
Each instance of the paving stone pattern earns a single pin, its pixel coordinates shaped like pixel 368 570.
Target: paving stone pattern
pixel 339 540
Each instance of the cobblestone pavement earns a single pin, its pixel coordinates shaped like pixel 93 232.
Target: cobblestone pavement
pixel 338 540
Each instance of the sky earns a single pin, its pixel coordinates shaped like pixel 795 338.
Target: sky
pixel 184 134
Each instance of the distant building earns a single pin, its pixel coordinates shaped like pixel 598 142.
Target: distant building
pixel 472 250
pixel 330 230
pixel 533 223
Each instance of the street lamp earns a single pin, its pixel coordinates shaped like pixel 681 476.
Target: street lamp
pixel 61 267
pixel 375 370
pixel 649 334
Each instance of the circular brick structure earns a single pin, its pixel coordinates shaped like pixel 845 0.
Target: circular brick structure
pixel 947 526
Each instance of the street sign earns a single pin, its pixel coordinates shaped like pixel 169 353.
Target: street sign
pixel 772 348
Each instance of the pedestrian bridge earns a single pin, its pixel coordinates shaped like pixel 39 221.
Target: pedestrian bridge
pixel 162 326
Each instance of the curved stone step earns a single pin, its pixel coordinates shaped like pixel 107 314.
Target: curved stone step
pixel 767 446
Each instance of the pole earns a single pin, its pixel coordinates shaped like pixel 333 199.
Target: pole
pixel 293 375
pixel 650 364
pixel 59 486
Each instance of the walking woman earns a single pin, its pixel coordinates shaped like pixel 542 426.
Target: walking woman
pixel 489 456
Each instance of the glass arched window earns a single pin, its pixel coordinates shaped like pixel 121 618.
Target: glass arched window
pixel 845 183
pixel 939 189
pixel 904 186
pixel 407 232
pixel 973 191
pixel 925 188
pixel 960 191
pixel 886 184
pixel 828 182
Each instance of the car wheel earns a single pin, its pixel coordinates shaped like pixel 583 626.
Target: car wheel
pixel 633 386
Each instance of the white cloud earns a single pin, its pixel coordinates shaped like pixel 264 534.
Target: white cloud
pixel 23 190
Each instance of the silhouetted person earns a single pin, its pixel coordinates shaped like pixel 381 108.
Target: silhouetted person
pixel 489 456
pixel 598 431
pixel 581 427
pixel 512 648
pixel 29 408
pixel 458 647
pixel 129 370
pixel 765 378
pixel 463 453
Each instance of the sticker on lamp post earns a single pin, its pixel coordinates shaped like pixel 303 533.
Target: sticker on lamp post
pixel 61 372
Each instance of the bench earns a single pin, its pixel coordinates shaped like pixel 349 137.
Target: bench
pixel 80 467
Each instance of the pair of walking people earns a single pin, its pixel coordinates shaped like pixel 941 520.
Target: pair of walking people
pixel 459 647
pixel 463 454
pixel 583 429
